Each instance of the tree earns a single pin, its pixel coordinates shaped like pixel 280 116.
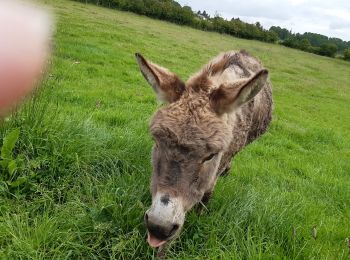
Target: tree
pixel 271 36
pixel 328 49
pixel 282 33
pixel 305 45
pixel 137 6
pixel 291 42
pixel 187 15
pixel 347 54
pixel 172 11
pixel 257 24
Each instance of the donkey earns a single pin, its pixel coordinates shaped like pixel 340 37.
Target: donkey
pixel 206 122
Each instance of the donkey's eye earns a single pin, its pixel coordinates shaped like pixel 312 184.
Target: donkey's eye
pixel 210 157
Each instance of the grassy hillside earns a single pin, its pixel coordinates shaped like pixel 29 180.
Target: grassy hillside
pixel 85 146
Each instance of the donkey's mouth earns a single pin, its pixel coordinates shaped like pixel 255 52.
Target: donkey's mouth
pixel 153 241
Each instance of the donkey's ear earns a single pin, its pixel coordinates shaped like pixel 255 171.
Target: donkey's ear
pixel 167 85
pixel 228 97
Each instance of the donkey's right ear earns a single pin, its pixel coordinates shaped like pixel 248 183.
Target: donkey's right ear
pixel 167 85
pixel 228 97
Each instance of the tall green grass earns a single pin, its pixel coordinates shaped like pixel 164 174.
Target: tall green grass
pixel 84 146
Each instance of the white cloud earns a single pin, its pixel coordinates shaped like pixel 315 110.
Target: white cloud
pixel 296 2
pixel 331 18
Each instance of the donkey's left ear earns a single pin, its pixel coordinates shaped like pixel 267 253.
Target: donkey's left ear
pixel 167 85
pixel 228 97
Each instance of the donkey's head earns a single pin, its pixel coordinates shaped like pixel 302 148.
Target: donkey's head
pixel 191 134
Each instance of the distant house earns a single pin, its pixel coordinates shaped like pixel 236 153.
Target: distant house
pixel 203 16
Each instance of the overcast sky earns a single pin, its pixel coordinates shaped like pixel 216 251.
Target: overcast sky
pixel 327 17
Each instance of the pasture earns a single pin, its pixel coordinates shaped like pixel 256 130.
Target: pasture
pixel 83 151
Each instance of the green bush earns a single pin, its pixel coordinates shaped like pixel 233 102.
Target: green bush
pixel 328 49
pixel 347 54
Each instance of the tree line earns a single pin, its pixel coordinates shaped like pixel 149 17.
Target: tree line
pixel 172 11
pixel 313 42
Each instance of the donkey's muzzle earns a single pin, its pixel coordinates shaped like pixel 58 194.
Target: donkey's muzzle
pixel 160 231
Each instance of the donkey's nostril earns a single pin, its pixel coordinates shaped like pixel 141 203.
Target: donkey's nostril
pixel 146 217
pixel 173 230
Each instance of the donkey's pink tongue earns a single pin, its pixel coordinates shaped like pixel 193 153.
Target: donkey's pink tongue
pixel 153 241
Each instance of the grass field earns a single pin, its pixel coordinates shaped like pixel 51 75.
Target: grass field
pixel 83 151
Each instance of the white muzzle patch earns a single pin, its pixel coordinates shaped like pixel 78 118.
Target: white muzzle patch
pixel 167 210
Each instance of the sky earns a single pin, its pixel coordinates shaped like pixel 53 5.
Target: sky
pixel 327 17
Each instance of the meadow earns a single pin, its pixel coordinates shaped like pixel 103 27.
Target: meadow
pixel 79 182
